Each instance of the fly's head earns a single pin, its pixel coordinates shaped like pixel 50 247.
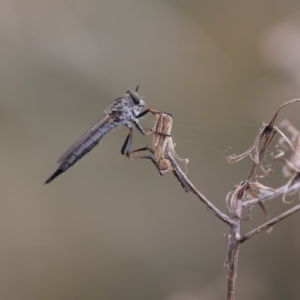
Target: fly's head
pixel 137 103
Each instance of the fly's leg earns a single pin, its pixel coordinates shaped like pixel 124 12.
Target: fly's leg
pixel 143 113
pixel 148 131
pixel 145 156
pixel 126 148
pixel 153 111
pixel 142 149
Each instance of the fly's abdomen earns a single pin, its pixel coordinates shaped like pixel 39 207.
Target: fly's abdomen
pixel 83 148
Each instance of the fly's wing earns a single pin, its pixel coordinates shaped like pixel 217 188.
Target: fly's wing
pixel 89 134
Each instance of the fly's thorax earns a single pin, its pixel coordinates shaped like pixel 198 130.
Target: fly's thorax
pixel 128 107
pixel 117 105
pixel 125 113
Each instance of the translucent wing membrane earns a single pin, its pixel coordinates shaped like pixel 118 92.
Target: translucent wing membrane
pixel 92 134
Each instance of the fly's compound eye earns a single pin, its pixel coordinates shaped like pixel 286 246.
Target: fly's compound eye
pixel 135 97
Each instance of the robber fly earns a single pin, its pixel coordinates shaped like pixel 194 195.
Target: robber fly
pixel 122 112
pixel 162 152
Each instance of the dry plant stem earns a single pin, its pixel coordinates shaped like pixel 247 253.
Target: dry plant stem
pixel 232 238
pixel 232 257
pixel 234 242
pixel 186 182
pixel 165 160
pixel 164 157
pixel 233 252
pixel 269 224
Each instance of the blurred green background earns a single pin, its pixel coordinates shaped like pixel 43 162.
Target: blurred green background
pixel 112 228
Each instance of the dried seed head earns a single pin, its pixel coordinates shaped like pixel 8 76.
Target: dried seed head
pixel 258 149
pixel 291 167
pixel 235 199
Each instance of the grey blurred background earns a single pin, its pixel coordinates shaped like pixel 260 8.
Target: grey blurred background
pixel 111 228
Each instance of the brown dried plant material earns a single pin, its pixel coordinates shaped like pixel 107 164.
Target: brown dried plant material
pixel 262 142
pixel 291 167
pixel 235 199
pixel 293 164
pixel 247 190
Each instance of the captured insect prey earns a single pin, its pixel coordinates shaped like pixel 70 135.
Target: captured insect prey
pixel 122 112
pixel 162 153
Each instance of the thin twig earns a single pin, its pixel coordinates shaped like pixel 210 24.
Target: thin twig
pixel 270 223
pixel 186 182
pixel 164 158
